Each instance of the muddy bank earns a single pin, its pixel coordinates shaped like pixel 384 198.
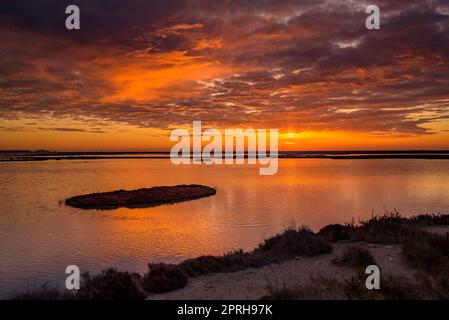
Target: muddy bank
pixel 147 197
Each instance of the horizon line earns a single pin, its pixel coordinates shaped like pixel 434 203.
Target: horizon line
pixel 246 151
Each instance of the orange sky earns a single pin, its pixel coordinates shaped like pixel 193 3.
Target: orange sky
pixel 124 86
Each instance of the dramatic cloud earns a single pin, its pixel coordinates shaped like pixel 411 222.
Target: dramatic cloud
pixel 308 65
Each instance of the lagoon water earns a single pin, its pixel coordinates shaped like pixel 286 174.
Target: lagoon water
pixel 40 236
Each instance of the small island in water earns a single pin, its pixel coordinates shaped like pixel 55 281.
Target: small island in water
pixel 146 197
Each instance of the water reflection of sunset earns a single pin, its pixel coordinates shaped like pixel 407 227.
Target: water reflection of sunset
pixel 47 235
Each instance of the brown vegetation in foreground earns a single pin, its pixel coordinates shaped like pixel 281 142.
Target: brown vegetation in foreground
pixel 427 253
pixel 356 257
pixel 392 288
pixel 287 245
pixel 140 198
pixel 113 284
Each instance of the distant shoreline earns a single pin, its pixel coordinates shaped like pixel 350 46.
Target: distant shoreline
pixel 7 156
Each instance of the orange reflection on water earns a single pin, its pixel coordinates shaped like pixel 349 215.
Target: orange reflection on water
pixel 40 236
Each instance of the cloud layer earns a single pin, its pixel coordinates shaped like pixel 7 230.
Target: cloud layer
pixel 307 65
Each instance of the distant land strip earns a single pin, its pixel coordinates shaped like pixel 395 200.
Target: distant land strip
pixel 11 155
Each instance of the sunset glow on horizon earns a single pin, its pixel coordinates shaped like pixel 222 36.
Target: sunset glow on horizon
pixel 136 70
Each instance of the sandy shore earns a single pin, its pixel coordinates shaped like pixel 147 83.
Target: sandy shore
pixel 253 283
pixel 441 230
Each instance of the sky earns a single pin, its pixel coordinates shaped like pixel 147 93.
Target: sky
pixel 138 69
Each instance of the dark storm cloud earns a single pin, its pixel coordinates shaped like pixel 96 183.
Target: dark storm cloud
pixel 107 22
pixel 299 63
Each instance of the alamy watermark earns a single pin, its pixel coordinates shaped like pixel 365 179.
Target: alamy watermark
pixel 72 22
pixel 239 146
pixel 72 282
pixel 373 280
pixel 372 22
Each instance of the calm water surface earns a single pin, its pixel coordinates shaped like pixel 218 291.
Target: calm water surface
pixel 40 236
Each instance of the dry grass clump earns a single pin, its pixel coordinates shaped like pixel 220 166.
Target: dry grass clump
pixel 289 244
pixel 426 252
pixel 337 232
pixel 163 278
pixel 429 253
pixel 392 288
pixel 321 288
pixel 431 219
pixel 388 228
pixel 111 284
pixel 355 256
pixel 45 292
